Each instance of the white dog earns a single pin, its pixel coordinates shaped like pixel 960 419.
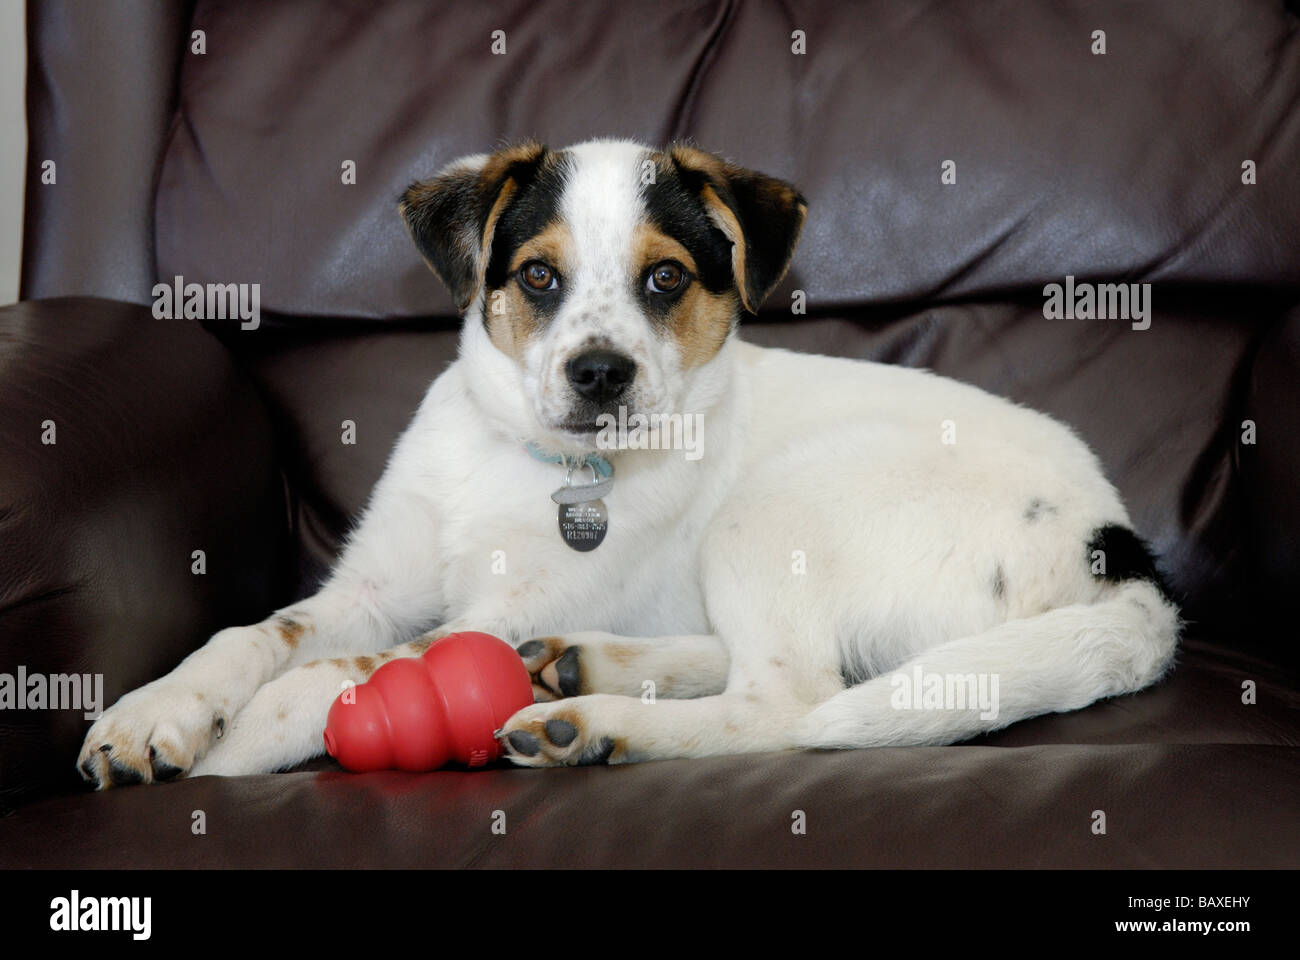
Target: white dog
pixel 852 555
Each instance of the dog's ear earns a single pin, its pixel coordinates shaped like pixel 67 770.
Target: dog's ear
pixel 453 216
pixel 760 215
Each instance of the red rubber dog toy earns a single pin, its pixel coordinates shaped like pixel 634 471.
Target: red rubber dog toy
pixel 419 713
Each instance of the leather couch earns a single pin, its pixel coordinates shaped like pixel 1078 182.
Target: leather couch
pixel 178 435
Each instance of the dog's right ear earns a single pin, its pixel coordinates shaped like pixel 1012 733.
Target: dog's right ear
pixel 453 216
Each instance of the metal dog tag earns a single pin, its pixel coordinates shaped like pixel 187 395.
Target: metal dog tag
pixel 583 525
pixel 583 517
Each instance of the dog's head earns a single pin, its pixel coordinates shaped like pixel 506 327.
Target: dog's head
pixel 606 274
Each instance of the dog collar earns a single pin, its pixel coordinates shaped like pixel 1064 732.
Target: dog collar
pixel 583 517
pixel 599 465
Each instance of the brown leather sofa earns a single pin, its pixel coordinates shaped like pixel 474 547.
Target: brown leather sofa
pixel 176 435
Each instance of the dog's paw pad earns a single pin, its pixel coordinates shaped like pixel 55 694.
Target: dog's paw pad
pixel 523 743
pixel 556 668
pixel 560 732
pixel 551 735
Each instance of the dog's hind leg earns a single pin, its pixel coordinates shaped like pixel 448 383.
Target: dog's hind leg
pixel 1057 661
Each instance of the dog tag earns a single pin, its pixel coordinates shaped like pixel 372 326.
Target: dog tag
pixel 583 525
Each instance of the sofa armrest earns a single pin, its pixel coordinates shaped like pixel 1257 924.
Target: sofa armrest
pixel 127 444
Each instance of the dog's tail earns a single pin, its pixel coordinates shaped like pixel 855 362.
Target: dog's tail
pixel 1060 660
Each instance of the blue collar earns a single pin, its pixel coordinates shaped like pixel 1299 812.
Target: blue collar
pixel 599 464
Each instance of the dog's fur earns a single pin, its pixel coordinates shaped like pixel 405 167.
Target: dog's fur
pixel 829 534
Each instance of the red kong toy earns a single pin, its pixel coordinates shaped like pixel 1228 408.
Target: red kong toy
pixel 419 713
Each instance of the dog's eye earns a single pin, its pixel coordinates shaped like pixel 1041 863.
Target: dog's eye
pixel 538 276
pixel 666 277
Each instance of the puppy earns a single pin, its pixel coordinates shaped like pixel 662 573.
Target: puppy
pixel 852 555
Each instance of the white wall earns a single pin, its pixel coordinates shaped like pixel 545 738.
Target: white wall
pixel 13 142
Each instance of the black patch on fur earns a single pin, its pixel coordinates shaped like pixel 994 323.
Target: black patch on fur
pixel 1127 556
pixel 534 206
pixel 1037 508
pixel 674 205
pixel 999 582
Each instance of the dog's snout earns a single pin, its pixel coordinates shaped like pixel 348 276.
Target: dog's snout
pixel 600 375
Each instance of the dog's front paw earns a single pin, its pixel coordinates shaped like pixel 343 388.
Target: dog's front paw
pixel 564 733
pixel 555 666
pixel 151 735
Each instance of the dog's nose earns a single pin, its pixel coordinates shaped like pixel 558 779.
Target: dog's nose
pixel 600 375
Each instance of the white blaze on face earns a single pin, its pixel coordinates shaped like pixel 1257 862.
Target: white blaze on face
pixel 601 207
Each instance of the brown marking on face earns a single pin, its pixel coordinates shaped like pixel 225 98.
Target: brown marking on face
pixel 421 645
pixel 290 630
pixel 777 662
pixel 282 714
pixel 512 318
pixel 366 665
pixel 199 697
pixel 338 662
pixel 700 321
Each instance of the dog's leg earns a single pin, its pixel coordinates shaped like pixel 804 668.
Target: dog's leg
pixel 157 732
pixel 282 724
pixel 379 595
pixel 591 662
pixel 1057 661
pixel 603 728
pixel 763 699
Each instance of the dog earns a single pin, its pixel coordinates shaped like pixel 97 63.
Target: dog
pixel 842 524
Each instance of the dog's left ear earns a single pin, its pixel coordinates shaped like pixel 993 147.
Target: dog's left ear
pixel 760 215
